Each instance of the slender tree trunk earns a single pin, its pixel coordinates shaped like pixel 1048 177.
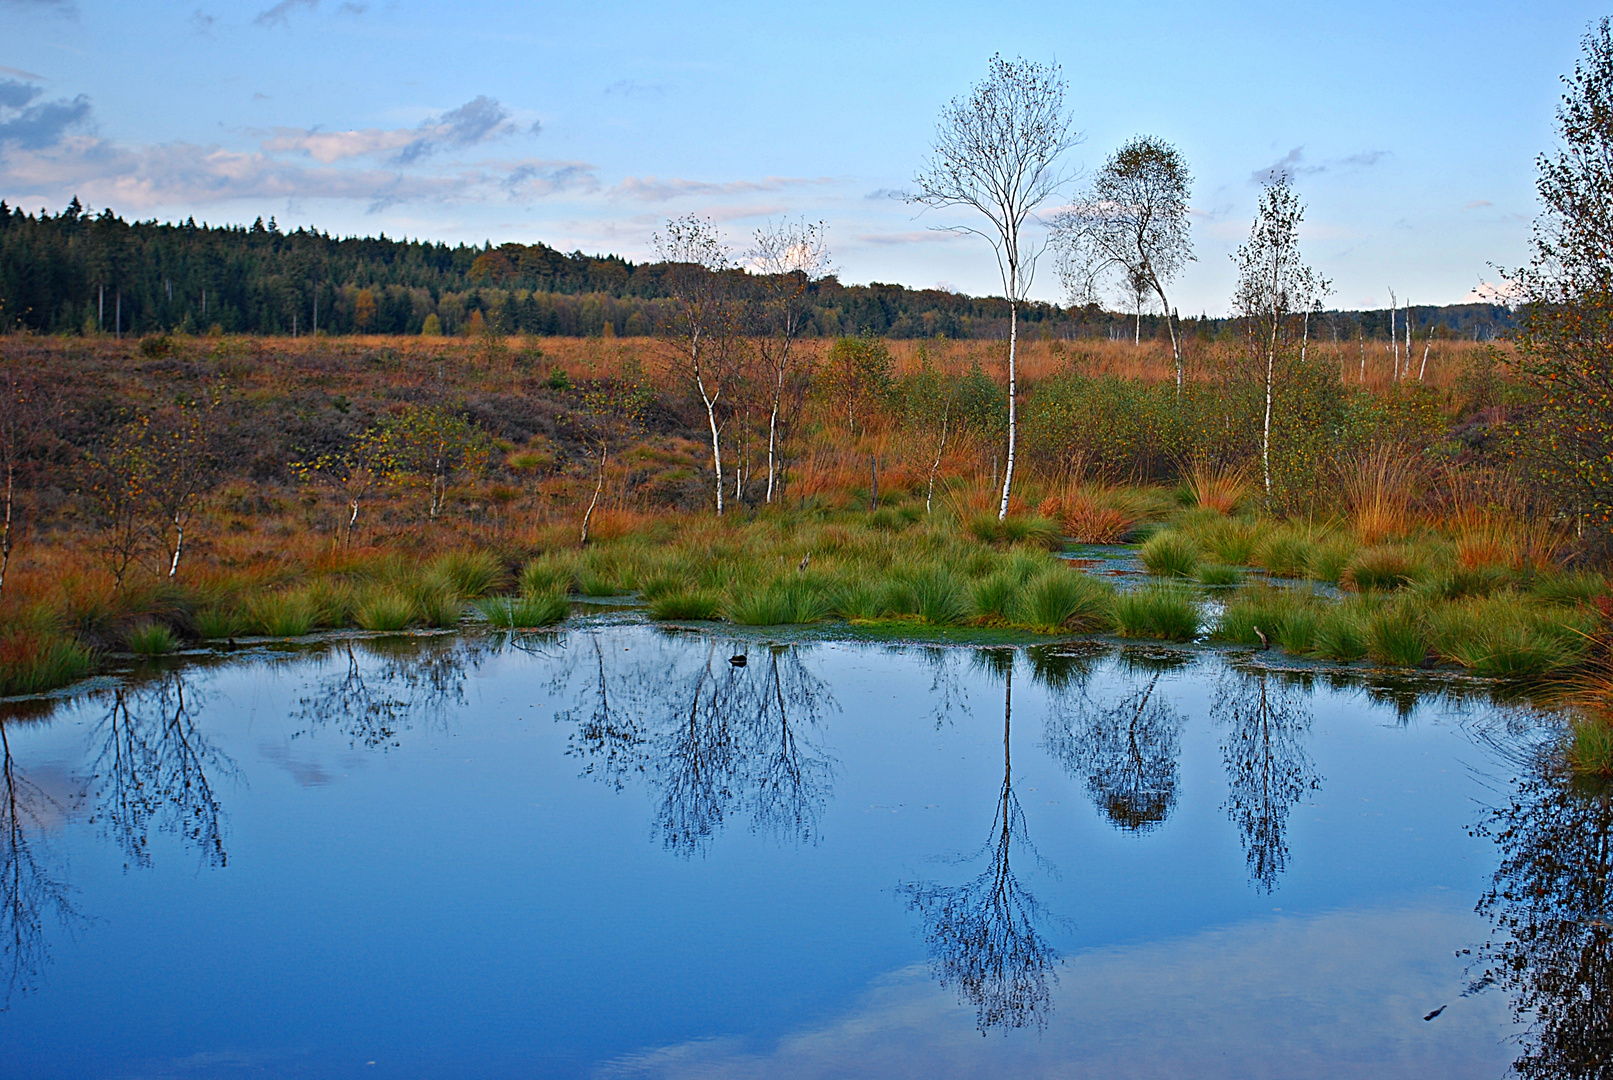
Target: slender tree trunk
pixel 1428 344
pixel 5 533
pixel 1305 337
pixel 1176 345
pixel 1013 386
pixel 772 423
pixel 599 486
pixel 1271 371
pixel 929 494
pixel 179 546
pixel 716 445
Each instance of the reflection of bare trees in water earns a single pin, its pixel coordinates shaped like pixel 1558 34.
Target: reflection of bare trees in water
pixel 382 685
pixel 985 936
pixel 30 894
pixel 713 738
pixel 152 770
pixel 1268 770
pixel 1552 913
pixel 1125 752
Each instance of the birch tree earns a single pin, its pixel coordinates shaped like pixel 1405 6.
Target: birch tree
pixel 791 257
pixel 1273 283
pixel 698 280
pixel 996 152
pixel 1130 226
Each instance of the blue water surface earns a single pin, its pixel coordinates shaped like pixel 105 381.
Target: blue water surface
pixel 614 852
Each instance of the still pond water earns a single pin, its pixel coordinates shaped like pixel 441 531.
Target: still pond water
pixel 614 852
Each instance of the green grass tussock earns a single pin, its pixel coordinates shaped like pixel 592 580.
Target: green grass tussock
pixel 384 607
pixel 1170 554
pixel 1382 569
pixel 527 612
pixel 470 573
pixel 149 638
pixel 1168 612
pixel 1062 600
pixel 34 662
pixel 690 605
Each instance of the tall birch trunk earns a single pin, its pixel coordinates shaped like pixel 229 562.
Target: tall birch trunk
pixel 1013 342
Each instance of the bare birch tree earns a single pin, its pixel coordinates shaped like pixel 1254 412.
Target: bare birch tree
pixel 1273 284
pixel 1130 224
pixel 791 257
pixel 996 152
pixel 697 277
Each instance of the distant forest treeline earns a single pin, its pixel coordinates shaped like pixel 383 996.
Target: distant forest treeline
pixel 77 273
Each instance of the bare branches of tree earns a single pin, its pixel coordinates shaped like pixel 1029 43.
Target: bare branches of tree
pixel 703 319
pixel 1273 284
pixel 996 152
pixel 790 257
pixel 1130 228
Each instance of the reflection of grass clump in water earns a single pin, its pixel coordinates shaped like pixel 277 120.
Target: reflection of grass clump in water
pixel 1157 611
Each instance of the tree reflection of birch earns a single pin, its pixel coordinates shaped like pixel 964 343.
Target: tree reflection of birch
pixel 984 936
pixel 373 699
pixel 1125 753
pixel 152 771
pixel 1551 949
pixel 711 738
pixel 30 893
pixel 1268 770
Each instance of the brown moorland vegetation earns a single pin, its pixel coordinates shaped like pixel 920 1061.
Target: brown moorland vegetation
pixel 175 490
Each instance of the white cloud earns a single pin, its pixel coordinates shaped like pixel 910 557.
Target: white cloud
pixel 479 120
pixel 1340 995
pixel 654 189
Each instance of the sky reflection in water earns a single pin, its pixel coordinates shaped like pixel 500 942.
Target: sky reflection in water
pixel 616 853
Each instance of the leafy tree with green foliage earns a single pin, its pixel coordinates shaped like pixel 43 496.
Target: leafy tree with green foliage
pixel 430 444
pixel 1565 347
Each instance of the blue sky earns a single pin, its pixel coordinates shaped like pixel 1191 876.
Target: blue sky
pixel 1411 128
